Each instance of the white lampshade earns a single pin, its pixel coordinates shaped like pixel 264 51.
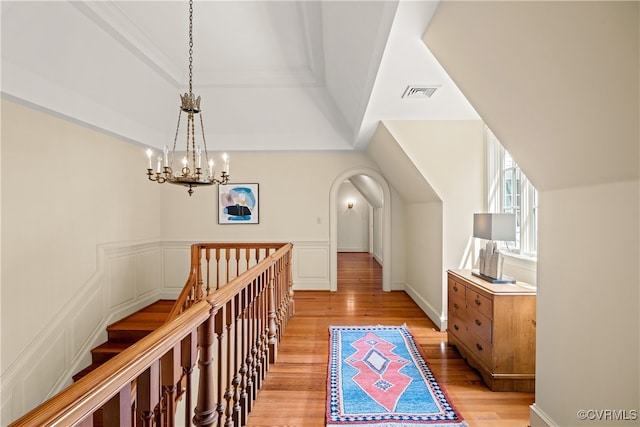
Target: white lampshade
pixel 493 226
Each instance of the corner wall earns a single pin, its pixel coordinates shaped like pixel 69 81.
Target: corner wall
pixel 587 335
pixel 68 193
pixel 437 169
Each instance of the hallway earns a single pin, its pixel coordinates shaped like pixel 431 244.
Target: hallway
pixel 294 391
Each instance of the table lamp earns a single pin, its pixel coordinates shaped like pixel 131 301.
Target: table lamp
pixel 493 227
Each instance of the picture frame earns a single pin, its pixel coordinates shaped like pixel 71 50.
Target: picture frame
pixel 238 203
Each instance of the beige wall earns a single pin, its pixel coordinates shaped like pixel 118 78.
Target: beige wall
pixel 571 121
pixel 294 198
pixel 96 240
pixel 588 328
pixel 65 190
pixel 353 224
pixel 448 154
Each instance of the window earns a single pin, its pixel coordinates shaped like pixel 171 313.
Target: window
pixel 509 191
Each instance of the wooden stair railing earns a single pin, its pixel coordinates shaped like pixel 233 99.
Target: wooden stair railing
pixel 231 332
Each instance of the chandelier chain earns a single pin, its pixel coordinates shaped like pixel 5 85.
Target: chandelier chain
pixel 190 47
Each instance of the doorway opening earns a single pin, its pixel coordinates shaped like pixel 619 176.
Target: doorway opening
pixel 375 189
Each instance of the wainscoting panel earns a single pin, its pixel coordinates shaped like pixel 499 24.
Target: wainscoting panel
pixel 87 319
pixel 122 279
pixel 47 369
pixel 128 276
pixel 311 266
pixel 176 260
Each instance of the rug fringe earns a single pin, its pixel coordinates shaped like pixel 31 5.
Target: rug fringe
pixel 460 424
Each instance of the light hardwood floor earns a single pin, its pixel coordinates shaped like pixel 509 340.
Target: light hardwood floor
pixel 294 391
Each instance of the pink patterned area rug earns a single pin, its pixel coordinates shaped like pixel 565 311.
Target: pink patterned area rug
pixel 378 378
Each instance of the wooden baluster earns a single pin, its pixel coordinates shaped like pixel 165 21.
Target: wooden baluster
pixel 264 327
pixel 237 355
pixel 208 259
pixel 247 255
pixel 292 302
pixel 228 395
pixel 205 411
pixel 117 411
pixel 148 392
pixel 171 371
pixel 237 262
pixel 244 396
pixel 273 344
pixel 259 357
pixel 219 325
pixel 253 339
pixel 195 264
pixel 217 268
pixel 189 353
pixel 227 259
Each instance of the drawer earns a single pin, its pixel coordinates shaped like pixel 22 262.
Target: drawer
pixel 458 327
pixel 480 303
pixel 457 307
pixel 456 289
pixel 481 325
pixel 481 349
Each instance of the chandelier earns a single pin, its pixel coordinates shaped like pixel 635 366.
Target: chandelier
pixel 192 174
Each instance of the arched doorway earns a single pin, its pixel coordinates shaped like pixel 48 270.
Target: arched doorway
pixel 386 225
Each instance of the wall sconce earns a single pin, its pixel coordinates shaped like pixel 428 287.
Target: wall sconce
pixel 350 204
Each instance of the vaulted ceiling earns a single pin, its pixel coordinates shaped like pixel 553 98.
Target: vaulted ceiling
pixel 273 75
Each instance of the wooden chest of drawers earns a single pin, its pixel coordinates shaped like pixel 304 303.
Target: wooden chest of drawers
pixel 493 326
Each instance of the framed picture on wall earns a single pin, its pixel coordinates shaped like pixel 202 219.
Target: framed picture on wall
pixel 238 204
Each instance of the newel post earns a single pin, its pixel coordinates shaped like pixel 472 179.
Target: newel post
pixel 205 414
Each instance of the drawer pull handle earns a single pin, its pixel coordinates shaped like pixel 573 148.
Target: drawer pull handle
pixel 479 346
pixel 478 322
pixel 456 327
pixel 456 306
pixel 478 302
pixel 455 288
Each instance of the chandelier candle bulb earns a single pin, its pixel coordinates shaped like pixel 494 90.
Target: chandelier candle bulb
pixel 159 164
pixel 225 159
pixel 149 155
pixel 166 156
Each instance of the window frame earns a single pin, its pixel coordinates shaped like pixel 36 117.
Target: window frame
pixel 526 197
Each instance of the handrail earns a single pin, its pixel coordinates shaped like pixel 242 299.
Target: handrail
pixel 193 290
pixel 73 404
pixel 241 322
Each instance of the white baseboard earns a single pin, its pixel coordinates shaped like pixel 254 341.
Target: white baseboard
pixel 438 318
pixel 537 418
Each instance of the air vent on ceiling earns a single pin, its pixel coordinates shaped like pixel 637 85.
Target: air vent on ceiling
pixel 419 91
